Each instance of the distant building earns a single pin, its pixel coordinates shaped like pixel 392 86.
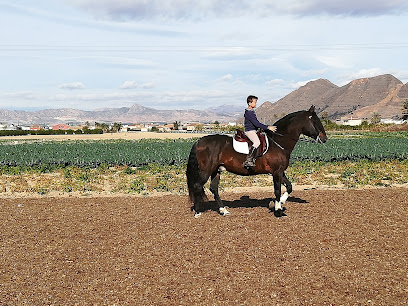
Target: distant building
pixel 134 128
pixel 35 127
pixel 392 121
pixel 61 126
pixel 358 121
pixel 350 121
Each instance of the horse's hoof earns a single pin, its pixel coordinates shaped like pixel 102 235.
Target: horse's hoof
pixel 197 215
pixel 279 213
pixel 224 212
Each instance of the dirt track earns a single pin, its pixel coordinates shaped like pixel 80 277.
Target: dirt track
pixel 333 247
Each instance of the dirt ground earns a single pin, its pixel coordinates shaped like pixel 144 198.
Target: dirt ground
pixel 334 247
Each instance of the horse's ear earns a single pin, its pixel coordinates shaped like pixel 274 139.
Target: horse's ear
pixel 312 109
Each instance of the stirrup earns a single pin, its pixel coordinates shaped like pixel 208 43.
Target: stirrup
pixel 249 163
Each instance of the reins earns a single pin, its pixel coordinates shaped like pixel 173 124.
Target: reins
pixel 299 139
pixel 273 140
pixel 277 144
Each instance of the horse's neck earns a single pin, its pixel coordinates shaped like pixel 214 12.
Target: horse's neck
pixel 290 129
pixel 291 137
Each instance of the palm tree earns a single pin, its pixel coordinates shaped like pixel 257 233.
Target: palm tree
pixel 404 108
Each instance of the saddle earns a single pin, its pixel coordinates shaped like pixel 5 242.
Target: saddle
pixel 242 138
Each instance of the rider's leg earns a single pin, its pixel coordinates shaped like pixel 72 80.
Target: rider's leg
pixel 251 157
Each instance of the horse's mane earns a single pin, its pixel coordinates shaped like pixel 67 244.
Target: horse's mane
pixel 284 122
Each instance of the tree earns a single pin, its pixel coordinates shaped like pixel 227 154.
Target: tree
pixel 375 118
pixel 176 125
pixel 404 109
pixel 324 115
pixel 116 127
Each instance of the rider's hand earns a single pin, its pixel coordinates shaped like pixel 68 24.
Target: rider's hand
pixel 272 128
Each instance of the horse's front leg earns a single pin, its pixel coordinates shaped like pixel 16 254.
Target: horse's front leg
pixel 288 186
pixel 279 198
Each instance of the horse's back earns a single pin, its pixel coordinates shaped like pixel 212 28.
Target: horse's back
pixel 214 141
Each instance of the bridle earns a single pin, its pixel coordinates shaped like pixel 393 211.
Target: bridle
pixel 318 132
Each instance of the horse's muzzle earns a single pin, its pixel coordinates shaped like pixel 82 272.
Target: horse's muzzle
pixel 321 138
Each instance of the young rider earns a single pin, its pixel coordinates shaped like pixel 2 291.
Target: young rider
pixel 251 125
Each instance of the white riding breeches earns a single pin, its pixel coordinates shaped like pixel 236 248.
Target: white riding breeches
pixel 254 138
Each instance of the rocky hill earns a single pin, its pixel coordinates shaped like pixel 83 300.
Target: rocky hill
pixel 360 98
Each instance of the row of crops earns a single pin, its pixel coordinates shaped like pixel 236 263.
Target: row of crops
pixel 168 152
pixel 374 149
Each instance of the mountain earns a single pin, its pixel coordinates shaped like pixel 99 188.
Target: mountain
pixel 227 109
pixel 133 114
pixel 360 98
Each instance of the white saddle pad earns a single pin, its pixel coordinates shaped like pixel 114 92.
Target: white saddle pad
pixel 242 147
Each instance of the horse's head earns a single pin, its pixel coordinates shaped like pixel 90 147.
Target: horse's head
pixel 313 127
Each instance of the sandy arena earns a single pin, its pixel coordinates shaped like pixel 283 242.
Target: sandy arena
pixel 340 247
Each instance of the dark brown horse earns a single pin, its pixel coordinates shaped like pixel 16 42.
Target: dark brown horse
pixel 211 155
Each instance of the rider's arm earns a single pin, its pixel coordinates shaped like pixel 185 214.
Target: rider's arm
pixel 252 117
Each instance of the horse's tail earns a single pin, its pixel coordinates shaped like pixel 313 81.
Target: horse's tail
pixel 195 188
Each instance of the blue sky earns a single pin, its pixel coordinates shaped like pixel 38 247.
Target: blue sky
pixel 182 54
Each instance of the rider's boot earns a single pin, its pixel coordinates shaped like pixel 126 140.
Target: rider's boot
pixel 251 157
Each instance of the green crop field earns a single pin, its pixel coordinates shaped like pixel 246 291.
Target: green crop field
pixel 144 166
pixel 175 152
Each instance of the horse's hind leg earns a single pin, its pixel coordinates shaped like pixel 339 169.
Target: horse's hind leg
pixel 197 194
pixel 215 181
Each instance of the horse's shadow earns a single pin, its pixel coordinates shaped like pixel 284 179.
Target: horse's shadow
pixel 247 202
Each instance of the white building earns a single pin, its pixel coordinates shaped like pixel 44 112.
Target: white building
pixel 350 121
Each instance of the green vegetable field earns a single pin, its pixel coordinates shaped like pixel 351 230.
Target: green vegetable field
pixel 175 152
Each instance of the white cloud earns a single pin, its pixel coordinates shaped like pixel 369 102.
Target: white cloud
pixel 347 7
pixel 178 9
pixel 275 82
pixel 129 85
pixel 72 86
pixel 296 85
pixel 367 73
pixel 134 84
pixel 25 95
pixel 147 85
pixel 203 9
pixel 362 73
pixel 225 78
pixel 333 61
